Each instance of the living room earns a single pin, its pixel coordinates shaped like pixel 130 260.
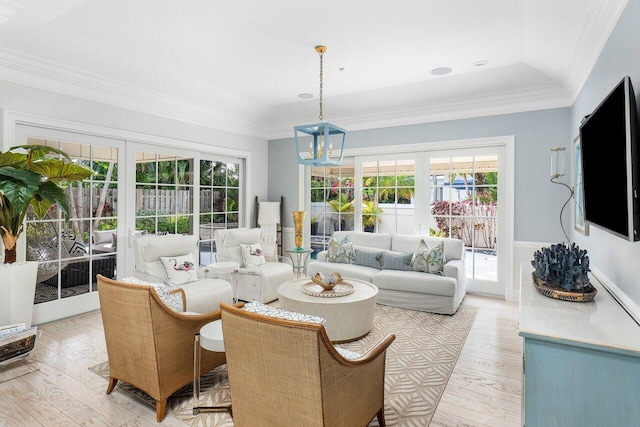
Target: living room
pixel 54 100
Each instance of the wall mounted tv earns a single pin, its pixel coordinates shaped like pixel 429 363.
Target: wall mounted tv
pixel 611 163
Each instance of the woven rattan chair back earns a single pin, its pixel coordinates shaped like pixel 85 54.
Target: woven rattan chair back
pixel 284 372
pixel 149 345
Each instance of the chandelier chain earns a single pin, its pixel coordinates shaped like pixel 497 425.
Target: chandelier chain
pixel 321 69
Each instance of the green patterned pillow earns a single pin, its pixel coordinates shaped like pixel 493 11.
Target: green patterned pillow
pixel 342 252
pixel 429 260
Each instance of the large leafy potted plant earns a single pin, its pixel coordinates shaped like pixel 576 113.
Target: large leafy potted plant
pixel 29 177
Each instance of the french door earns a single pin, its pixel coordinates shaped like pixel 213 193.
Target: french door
pixel 67 250
pixel 465 196
pixel 458 193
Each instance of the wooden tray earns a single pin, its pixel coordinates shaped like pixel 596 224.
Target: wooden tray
pixel 559 294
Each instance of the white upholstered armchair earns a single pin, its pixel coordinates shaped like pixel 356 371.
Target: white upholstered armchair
pixel 173 259
pixel 256 281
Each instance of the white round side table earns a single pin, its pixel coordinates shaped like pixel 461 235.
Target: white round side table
pixel 209 338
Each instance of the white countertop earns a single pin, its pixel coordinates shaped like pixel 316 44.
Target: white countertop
pixel 601 324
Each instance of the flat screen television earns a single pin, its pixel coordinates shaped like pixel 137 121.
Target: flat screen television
pixel 610 163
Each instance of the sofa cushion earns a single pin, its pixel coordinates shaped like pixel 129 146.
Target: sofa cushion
pixel 368 257
pixel 413 281
pixel 74 245
pixel 453 248
pixel 180 269
pixel 396 261
pixel 371 240
pixel 352 271
pixel 104 236
pixel 429 260
pixel 341 251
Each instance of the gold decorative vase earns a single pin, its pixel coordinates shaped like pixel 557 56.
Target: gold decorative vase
pixel 298 221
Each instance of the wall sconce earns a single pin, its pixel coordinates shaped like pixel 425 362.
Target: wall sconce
pixel 557 170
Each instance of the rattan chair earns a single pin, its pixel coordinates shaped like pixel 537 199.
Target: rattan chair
pixel 287 373
pixel 149 345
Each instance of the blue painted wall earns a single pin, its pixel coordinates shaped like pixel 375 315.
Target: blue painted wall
pixel 615 257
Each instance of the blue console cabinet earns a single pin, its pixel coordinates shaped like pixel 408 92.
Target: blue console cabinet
pixel 581 364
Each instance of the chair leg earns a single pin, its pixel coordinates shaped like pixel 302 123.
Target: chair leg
pixel 112 384
pixel 161 409
pixel 380 416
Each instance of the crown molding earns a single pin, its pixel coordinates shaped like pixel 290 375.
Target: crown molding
pixel 35 72
pixel 600 22
pixel 540 98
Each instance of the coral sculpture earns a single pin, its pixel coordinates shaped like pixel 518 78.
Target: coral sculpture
pixel 562 267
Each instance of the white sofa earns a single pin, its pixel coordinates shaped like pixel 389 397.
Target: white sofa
pixel 400 288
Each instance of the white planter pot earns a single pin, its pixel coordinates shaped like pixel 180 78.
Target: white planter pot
pixel 17 291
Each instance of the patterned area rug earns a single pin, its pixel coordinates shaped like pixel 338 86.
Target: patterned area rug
pixel 419 363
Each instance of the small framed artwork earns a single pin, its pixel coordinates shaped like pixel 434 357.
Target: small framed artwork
pixel 578 192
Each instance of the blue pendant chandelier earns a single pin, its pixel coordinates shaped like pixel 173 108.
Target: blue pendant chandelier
pixel 320 144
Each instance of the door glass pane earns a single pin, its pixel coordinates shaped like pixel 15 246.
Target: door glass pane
pixel 219 188
pixel 464 205
pixel 164 194
pixel 388 190
pixel 332 202
pixel 72 251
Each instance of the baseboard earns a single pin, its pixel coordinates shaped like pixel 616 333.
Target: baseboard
pixel 623 299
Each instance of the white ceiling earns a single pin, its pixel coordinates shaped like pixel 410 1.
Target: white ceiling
pixel 238 65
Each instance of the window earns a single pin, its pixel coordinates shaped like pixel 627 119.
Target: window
pixel 219 202
pixel 164 194
pixel 388 190
pixel 332 202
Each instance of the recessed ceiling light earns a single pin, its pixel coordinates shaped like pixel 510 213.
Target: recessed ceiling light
pixel 441 71
pixel 305 95
pixel 481 62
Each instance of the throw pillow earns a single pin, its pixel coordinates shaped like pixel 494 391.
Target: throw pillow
pixel 369 257
pixel 429 260
pixel 180 269
pixel 252 255
pixel 173 301
pixel 104 236
pixel 267 310
pixel 396 261
pixel 341 252
pixel 74 245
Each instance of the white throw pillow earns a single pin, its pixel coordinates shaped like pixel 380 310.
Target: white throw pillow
pixel 252 255
pixel 173 301
pixel 180 269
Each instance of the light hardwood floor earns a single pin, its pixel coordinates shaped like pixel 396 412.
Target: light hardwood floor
pixel 484 388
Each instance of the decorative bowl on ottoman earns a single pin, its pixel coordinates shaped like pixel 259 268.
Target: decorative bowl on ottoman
pixel 327 282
